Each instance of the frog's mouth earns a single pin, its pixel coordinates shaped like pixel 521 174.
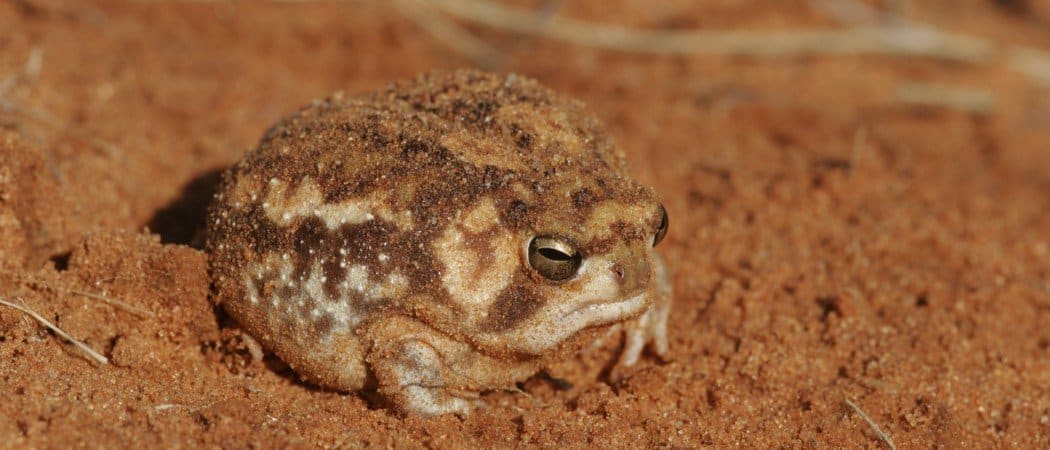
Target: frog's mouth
pixel 594 299
pixel 540 337
pixel 600 312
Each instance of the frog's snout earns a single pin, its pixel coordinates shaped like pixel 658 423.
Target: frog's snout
pixel 633 272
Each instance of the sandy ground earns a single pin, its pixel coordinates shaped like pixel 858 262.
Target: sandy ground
pixel 834 240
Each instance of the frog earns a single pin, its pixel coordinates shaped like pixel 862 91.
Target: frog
pixel 449 235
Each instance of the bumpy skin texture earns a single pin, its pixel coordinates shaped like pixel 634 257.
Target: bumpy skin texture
pixel 381 241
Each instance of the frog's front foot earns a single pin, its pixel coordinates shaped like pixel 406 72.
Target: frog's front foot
pixel 414 379
pixel 651 327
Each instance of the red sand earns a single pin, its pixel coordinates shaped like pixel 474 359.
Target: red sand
pixel 829 242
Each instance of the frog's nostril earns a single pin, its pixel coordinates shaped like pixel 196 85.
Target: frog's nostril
pixel 618 270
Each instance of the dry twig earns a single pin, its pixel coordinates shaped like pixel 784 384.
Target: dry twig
pixel 46 323
pixel 1029 61
pixel 889 34
pixel 977 101
pixel 887 40
pixel 136 310
pixel 449 32
pixel 871 423
pixel 424 13
pixel 141 312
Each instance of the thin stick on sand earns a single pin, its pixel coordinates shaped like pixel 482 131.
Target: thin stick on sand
pixel 141 312
pixel 46 323
pixel 29 280
pixel 871 423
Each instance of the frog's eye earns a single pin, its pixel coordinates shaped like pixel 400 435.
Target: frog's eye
pixel 553 258
pixel 661 230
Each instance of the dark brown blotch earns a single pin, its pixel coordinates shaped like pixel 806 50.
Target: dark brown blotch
pixel 523 139
pixel 516 214
pixel 323 326
pixel 584 198
pixel 515 305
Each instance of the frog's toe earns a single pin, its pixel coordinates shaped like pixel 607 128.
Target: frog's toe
pixel 433 401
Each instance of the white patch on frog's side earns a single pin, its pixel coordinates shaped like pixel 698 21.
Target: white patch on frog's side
pixel 276 271
pixel 356 278
pixel 471 279
pixel 251 289
pixel 355 288
pixel 308 201
pixel 394 286
pixel 596 300
pixel 338 309
pixel 357 281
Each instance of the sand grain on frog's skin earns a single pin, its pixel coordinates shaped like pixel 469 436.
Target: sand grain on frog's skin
pixel 415 206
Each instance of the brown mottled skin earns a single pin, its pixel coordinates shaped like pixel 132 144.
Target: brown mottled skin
pixel 422 287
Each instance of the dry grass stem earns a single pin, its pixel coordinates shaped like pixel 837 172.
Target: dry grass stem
pixel 889 40
pixel 871 32
pixel 447 31
pixel 46 323
pixel 1029 61
pixel 136 310
pixel 871 423
pixel 977 101
pixel 141 312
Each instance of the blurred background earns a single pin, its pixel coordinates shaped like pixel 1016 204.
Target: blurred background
pixel 858 192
